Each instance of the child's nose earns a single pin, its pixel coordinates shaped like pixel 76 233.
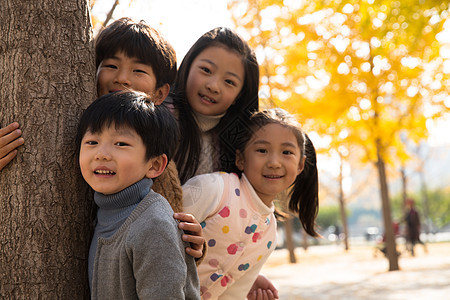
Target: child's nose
pixel 103 153
pixel 273 161
pixel 212 85
pixel 123 78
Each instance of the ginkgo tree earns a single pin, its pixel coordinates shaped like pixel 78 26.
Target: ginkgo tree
pixel 363 72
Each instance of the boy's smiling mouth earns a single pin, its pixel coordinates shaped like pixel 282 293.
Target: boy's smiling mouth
pixel 104 172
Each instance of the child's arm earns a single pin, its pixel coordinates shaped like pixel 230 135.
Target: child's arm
pixel 9 140
pixel 169 186
pixel 202 195
pixel 262 289
pixel 159 264
pixel 194 234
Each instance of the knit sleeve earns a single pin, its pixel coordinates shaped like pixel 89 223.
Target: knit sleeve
pixel 202 195
pixel 168 185
pixel 158 258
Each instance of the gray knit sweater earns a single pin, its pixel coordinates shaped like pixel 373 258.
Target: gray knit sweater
pixel 137 251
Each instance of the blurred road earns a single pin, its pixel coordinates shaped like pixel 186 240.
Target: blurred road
pixel 328 272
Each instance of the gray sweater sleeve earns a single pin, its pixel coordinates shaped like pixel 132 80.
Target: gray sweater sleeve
pixel 157 255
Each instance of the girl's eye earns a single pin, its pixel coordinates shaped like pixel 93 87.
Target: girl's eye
pixel 140 71
pixel 230 82
pixel 205 69
pixel 110 66
pixel 261 150
pixel 287 152
pixel 121 144
pixel 90 143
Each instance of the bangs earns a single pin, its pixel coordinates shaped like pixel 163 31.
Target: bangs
pixel 132 45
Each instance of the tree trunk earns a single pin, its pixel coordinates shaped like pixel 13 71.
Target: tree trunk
pixel 47 78
pixel 304 238
pixel 342 205
pixel 404 185
pixel 388 227
pixel 289 239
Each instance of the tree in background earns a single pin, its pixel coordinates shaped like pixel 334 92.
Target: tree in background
pixel 47 78
pixel 362 72
pixel 96 22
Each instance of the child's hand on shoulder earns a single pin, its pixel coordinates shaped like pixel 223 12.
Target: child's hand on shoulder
pixel 193 233
pixel 262 289
pixel 9 140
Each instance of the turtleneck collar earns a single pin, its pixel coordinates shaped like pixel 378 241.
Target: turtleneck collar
pixel 132 195
pixel 206 123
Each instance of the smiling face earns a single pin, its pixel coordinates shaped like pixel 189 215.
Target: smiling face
pixel 215 79
pixel 113 159
pixel 271 161
pixel 121 72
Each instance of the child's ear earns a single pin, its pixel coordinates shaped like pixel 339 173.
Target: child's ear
pixel 301 165
pixel 161 94
pixel 239 160
pixel 157 166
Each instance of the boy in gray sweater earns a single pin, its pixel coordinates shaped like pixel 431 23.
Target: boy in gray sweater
pixel 137 252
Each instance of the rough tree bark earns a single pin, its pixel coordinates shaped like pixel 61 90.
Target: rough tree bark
pixel 342 205
pixel 387 218
pixel 290 245
pixel 389 237
pixel 46 78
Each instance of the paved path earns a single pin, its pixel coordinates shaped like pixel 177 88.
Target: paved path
pixel 327 272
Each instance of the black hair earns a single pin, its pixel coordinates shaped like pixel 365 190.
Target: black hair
pixel 155 124
pixel 304 192
pixel 227 131
pixel 138 39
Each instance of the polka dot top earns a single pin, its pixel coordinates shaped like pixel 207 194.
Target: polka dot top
pixel 240 231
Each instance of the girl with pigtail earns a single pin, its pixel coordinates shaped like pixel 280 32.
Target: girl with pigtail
pixel 236 209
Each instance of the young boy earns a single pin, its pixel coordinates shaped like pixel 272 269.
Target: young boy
pixel 137 250
pixel 131 55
